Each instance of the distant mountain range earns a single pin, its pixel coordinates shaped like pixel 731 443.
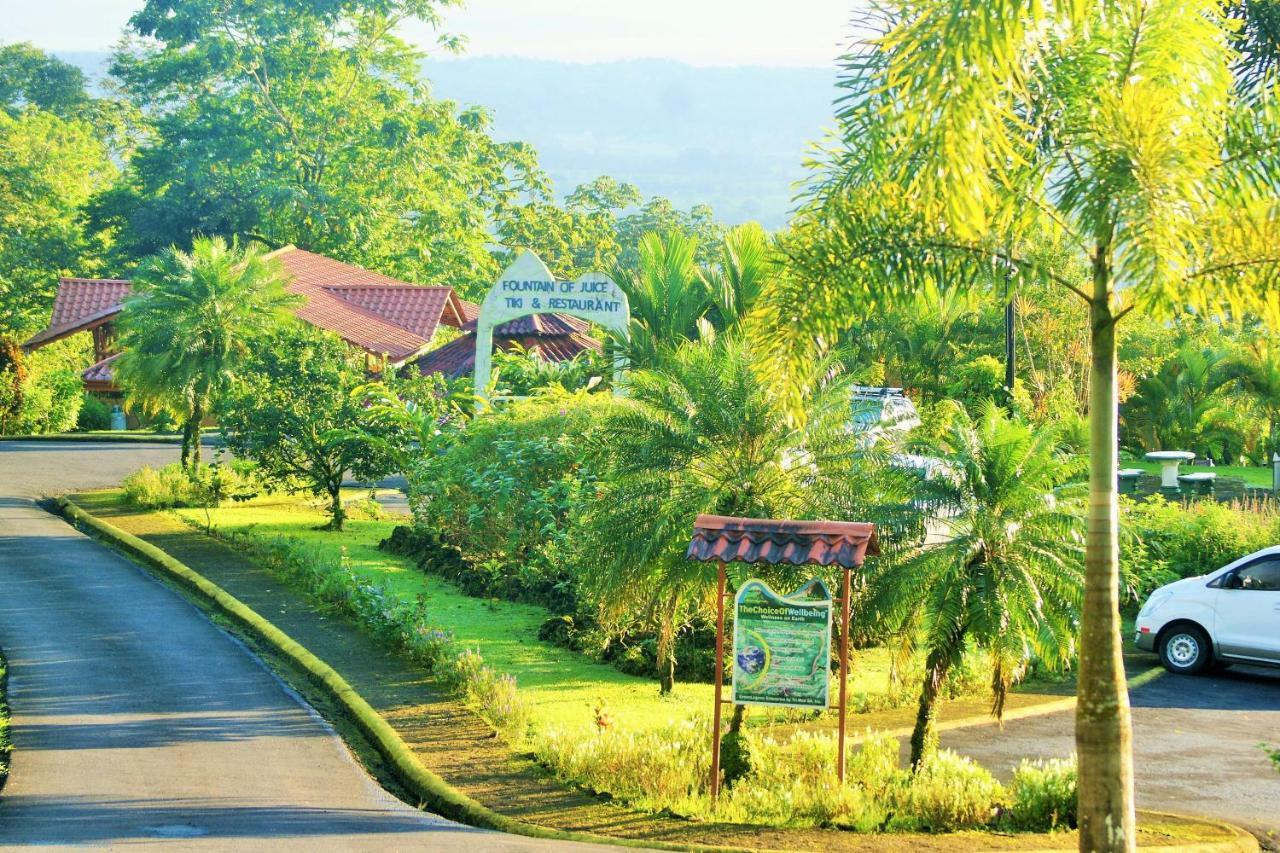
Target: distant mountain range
pixel 734 138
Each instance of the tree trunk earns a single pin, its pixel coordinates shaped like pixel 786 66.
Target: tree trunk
pixel 924 738
pixel 739 717
pixel 1104 737
pixel 193 429
pixel 666 651
pixel 337 514
pixel 186 444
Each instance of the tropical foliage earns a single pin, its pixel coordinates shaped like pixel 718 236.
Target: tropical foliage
pixel 977 138
pixel 1005 576
pixel 190 325
pixel 292 411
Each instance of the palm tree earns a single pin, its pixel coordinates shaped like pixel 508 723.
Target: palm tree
pixel 667 295
pixel 746 261
pixel 1006 579
pixel 701 434
pixel 1178 407
pixel 191 323
pixel 975 135
pixel 1256 370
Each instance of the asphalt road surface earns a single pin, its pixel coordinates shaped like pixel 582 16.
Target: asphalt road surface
pixel 1195 742
pixel 138 722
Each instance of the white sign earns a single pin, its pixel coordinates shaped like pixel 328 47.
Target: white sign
pixel 528 287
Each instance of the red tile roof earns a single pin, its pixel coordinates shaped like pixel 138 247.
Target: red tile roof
pixel 538 325
pixel 765 540
pixel 81 304
pixel 417 308
pixel 458 357
pixel 79 298
pixel 100 375
pixel 369 310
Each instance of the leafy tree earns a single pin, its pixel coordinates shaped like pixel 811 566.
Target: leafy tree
pixel 29 77
pixel 700 433
pixel 981 134
pixel 13 376
pixel 49 168
pixel 660 216
pixel 579 237
pixel 307 123
pixel 1007 579
pixel 292 410
pixel 190 326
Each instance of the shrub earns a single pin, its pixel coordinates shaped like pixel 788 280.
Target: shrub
pixel 1042 796
pixel 1166 541
pixel 94 415
pixel 505 497
pixel 174 486
pixel 947 793
pixel 792 782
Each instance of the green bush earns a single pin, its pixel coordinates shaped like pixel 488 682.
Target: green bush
pixel 172 486
pixel 1042 796
pixel 792 782
pixel 1163 542
pixel 94 415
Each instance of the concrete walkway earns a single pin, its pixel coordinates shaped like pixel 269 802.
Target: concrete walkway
pixel 136 721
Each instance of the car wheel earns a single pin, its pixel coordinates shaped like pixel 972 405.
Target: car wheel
pixel 1186 650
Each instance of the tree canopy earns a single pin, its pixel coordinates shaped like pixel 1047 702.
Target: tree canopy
pixel 307 123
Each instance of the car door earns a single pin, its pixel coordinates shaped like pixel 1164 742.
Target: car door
pixel 1247 623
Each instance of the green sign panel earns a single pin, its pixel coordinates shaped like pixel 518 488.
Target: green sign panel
pixel 781 646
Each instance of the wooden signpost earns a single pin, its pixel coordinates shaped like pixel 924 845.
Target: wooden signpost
pixel 782 648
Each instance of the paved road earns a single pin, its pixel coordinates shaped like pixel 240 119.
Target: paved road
pixel 136 721
pixel 1195 745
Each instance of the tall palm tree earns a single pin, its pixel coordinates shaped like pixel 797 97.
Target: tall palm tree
pixel 978 134
pixel 1007 577
pixel 701 434
pixel 190 324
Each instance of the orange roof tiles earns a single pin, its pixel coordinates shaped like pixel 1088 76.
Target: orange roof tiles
pixel 81 304
pixel 458 357
pixel 100 375
pixel 767 540
pixel 369 310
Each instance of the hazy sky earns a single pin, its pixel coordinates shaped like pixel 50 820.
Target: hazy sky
pixel 701 32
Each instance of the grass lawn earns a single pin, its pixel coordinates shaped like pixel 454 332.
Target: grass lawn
pixel 560 685
pixel 1252 476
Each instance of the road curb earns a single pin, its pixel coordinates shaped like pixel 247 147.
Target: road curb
pixel 433 791
pixel 110 438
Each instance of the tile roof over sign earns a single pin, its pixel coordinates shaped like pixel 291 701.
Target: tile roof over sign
pixel 765 540
pixel 458 357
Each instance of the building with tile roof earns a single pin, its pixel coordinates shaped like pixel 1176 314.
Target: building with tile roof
pixel 552 337
pixel 392 321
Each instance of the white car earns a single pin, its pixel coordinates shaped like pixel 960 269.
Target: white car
pixel 1231 615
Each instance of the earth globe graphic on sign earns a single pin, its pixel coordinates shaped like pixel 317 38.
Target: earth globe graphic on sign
pixel 751 659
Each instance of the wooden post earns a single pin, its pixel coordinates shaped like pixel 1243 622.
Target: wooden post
pixel 715 715
pixel 844 672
